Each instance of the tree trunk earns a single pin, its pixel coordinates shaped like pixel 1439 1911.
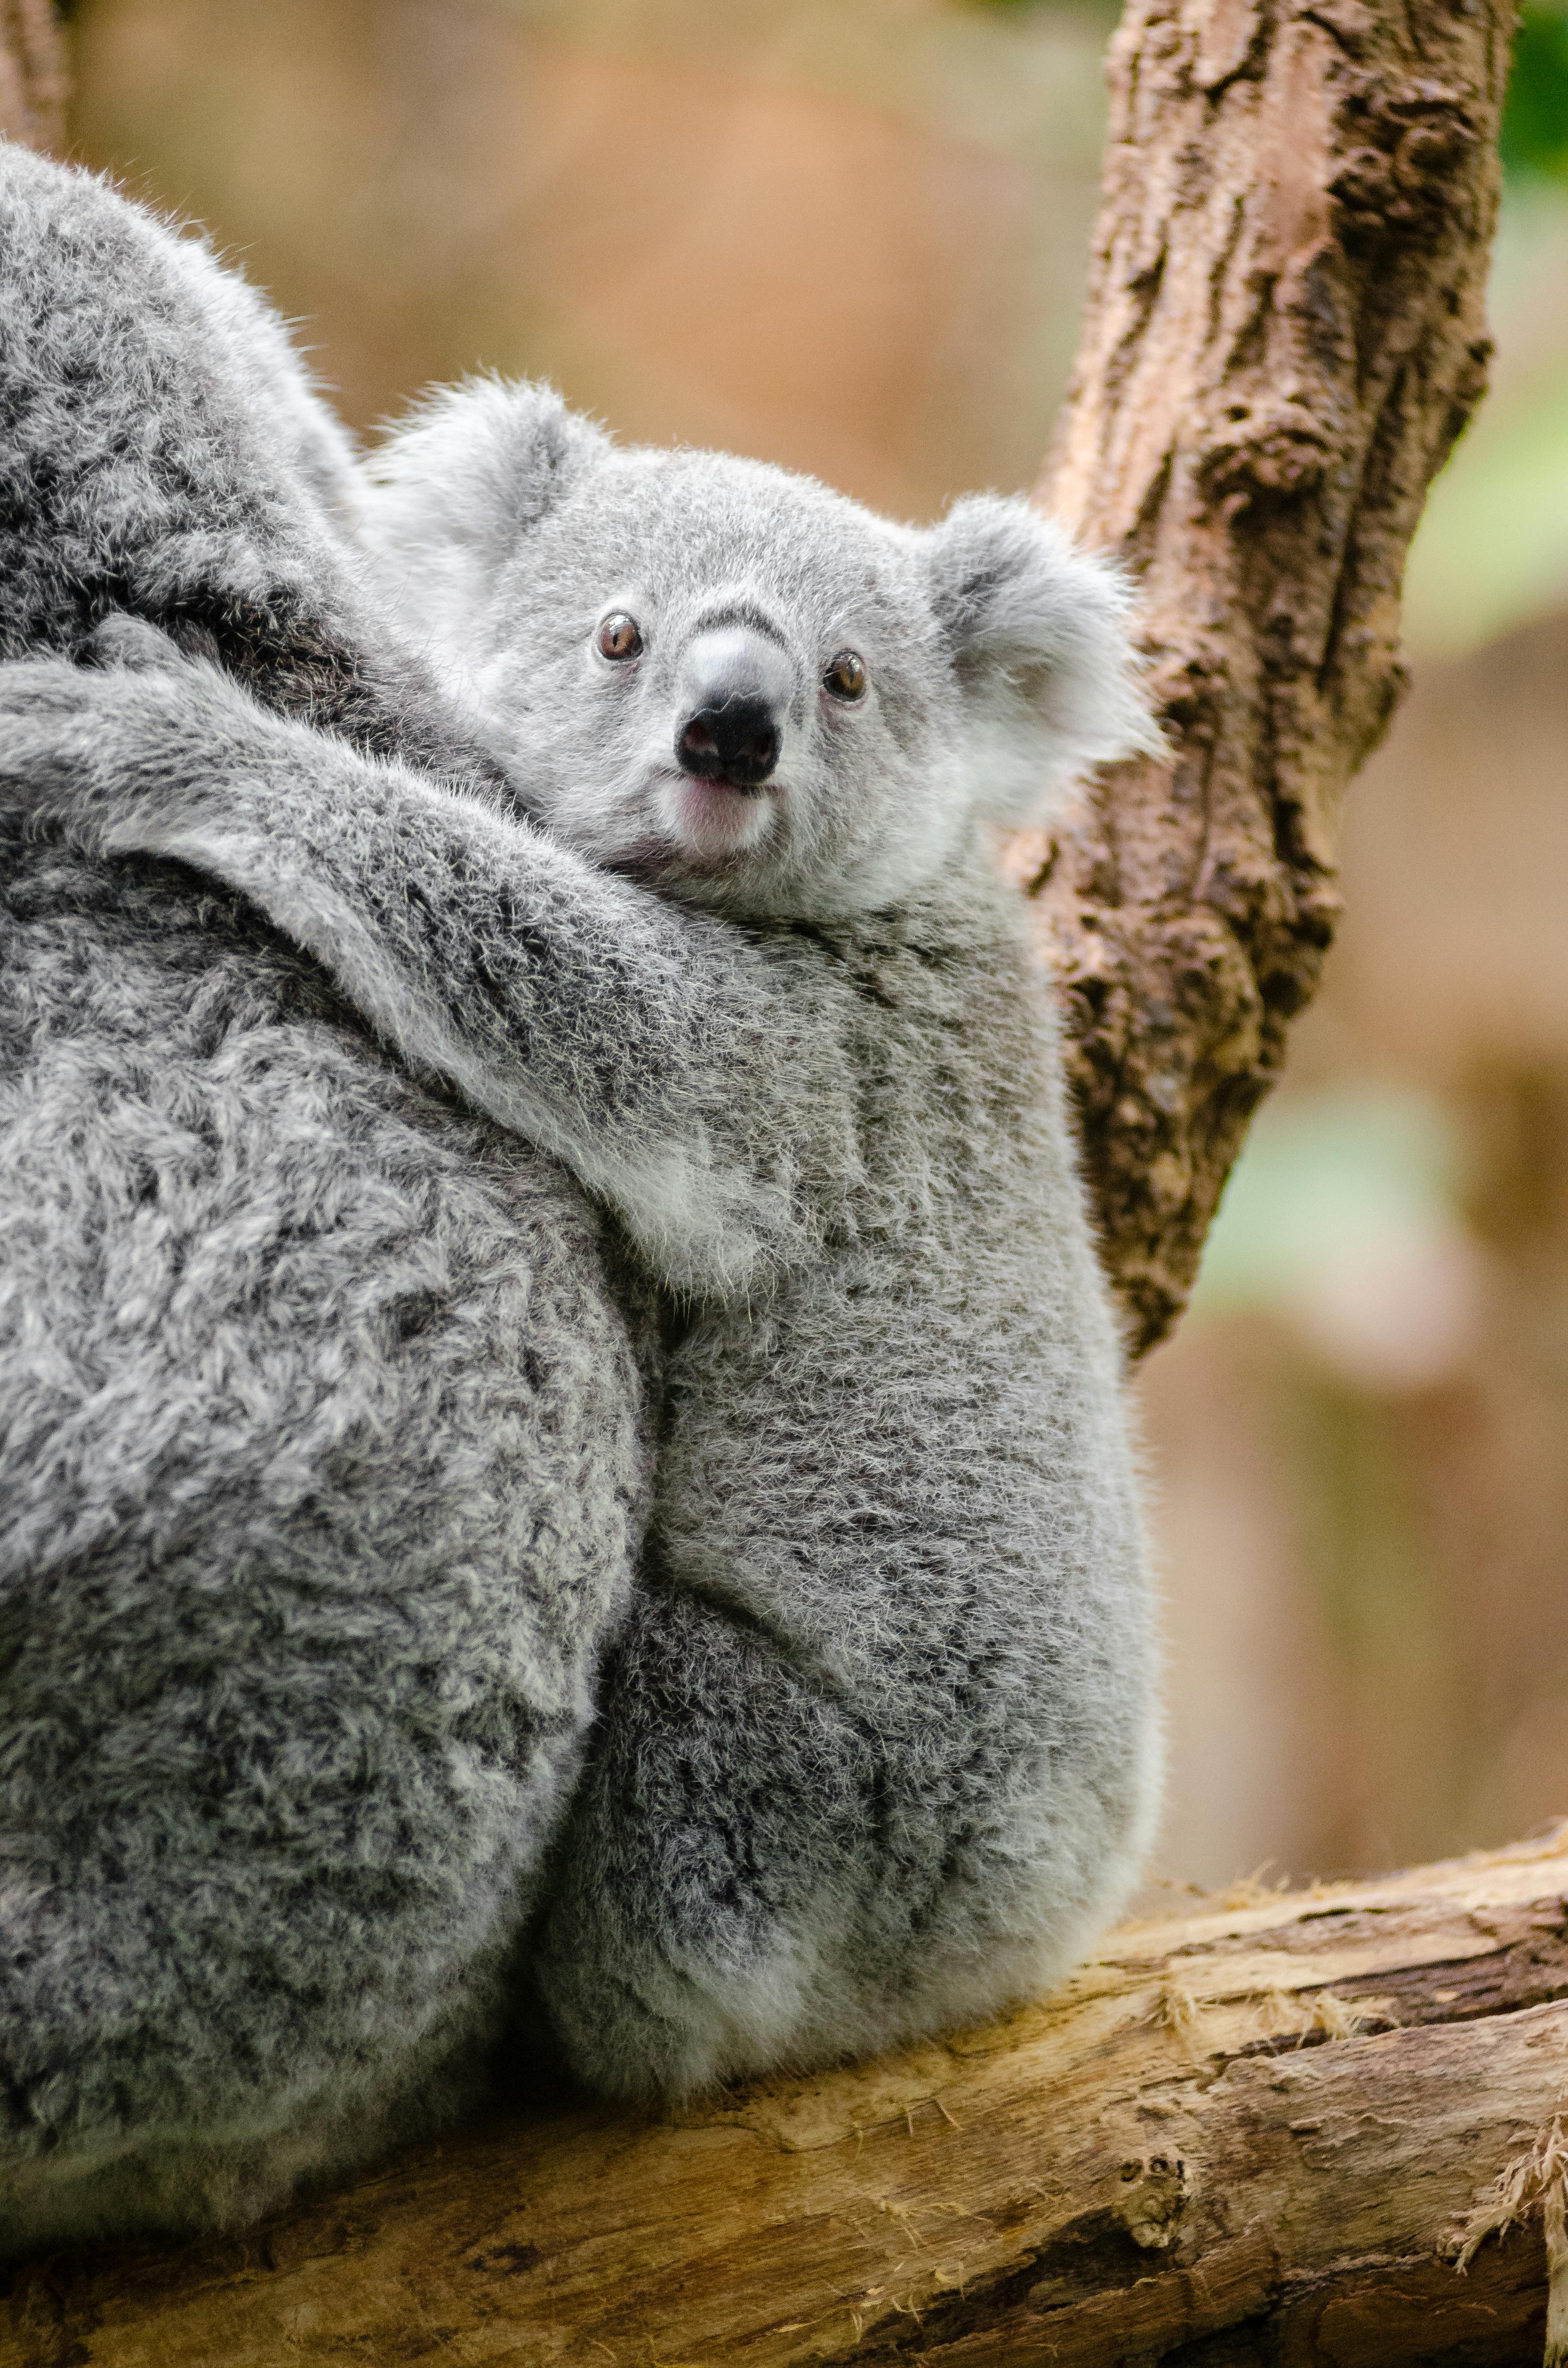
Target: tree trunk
pixel 32 74
pixel 1285 334
pixel 1268 2129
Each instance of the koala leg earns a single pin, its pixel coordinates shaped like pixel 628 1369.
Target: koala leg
pixel 725 1795
pixel 877 1752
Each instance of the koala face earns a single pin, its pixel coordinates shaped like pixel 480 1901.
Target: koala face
pixel 740 687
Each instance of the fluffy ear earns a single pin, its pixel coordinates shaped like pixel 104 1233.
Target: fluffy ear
pixel 1039 637
pixel 457 485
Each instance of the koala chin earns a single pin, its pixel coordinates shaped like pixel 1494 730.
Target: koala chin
pixel 637 898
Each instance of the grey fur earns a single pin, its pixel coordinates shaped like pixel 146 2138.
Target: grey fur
pixel 877 1749
pixel 323 1432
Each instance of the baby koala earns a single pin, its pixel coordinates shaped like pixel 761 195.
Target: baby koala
pixel 877 1748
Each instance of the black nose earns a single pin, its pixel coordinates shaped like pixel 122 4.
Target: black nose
pixel 734 740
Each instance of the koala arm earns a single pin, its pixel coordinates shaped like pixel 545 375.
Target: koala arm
pixel 660 1056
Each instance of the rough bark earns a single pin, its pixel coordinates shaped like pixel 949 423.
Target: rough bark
pixel 1265 2130
pixel 32 74
pixel 1285 333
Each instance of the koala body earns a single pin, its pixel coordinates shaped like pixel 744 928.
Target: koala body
pixel 325 1437
pixel 876 1749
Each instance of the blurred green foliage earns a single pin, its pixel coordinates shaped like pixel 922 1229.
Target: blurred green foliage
pixel 1346 1171
pixel 1535 115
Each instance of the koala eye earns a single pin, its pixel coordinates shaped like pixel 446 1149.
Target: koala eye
pixel 844 677
pixel 619 636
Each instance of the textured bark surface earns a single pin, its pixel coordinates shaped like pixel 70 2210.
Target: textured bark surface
pixel 32 74
pixel 1257 2131
pixel 1285 333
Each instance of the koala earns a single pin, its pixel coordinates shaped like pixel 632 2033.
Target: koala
pixel 327 1402
pixel 876 1749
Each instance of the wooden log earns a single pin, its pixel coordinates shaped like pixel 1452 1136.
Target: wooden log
pixel 1285 333
pixel 1259 2129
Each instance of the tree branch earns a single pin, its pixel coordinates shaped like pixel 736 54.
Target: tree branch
pixel 1276 2121
pixel 1285 334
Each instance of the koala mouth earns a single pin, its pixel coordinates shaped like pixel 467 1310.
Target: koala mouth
pixel 709 818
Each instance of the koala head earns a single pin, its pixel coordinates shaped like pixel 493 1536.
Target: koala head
pixel 742 688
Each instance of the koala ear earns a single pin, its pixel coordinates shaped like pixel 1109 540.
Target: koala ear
pixel 457 486
pixel 1039 634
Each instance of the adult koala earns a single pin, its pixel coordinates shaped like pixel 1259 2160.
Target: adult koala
pixel 324 1430
pixel 877 1747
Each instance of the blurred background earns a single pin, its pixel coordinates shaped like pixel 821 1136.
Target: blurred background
pixel 850 235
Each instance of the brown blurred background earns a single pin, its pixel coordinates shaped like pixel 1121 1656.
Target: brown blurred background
pixel 850 235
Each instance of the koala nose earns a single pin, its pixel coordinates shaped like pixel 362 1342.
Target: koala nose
pixel 737 740
pixel 735 688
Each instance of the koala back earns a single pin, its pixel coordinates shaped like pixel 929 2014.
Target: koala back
pixel 324 1464
pixel 323 1429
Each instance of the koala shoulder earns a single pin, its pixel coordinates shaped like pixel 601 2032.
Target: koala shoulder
pixel 154 405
